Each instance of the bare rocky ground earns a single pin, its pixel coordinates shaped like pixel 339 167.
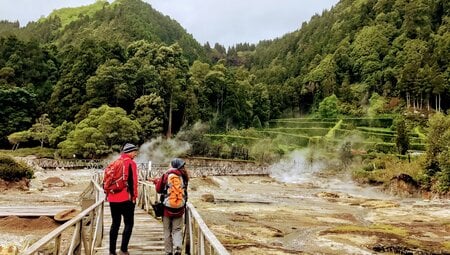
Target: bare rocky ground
pixel 48 188
pixel 312 214
pixel 318 215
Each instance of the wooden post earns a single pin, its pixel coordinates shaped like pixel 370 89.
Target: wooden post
pixel 57 244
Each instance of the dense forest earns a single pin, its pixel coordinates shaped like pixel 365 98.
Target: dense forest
pixel 81 73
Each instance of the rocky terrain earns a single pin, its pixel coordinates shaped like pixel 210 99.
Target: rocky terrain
pixel 310 213
pixel 259 215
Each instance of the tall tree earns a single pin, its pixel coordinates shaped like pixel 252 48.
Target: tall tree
pixel 402 138
pixel 149 112
pixel 103 130
pixel 17 110
pixel 42 129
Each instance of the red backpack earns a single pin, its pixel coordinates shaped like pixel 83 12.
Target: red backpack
pixel 115 177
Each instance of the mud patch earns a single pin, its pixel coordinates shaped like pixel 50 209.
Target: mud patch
pixel 404 239
pixel 22 185
pixel 14 224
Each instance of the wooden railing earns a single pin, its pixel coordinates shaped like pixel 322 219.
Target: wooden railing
pixel 199 238
pixel 86 227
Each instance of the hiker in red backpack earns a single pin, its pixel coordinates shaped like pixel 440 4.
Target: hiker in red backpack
pixel 122 203
pixel 173 187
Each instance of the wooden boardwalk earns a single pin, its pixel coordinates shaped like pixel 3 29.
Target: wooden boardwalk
pixel 147 236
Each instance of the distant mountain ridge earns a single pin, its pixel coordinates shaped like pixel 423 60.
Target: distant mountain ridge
pixel 123 21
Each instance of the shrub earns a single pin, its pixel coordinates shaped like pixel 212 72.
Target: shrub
pixel 328 108
pixel 12 170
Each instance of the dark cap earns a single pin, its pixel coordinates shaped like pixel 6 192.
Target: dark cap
pixel 177 163
pixel 129 148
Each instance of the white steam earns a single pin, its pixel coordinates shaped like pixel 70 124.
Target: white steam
pixel 161 150
pixel 298 167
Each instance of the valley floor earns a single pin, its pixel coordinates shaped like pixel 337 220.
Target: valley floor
pixel 318 214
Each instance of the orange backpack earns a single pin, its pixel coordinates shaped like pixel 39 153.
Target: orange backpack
pixel 115 177
pixel 175 191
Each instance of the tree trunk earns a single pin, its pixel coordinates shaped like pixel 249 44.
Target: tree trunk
pixel 439 102
pixel 421 101
pixel 169 126
pixel 436 102
pixel 407 100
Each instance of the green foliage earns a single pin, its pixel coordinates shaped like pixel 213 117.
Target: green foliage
pixel 402 138
pixel 19 137
pixel 437 141
pixel 123 21
pixel 261 104
pixel 42 129
pixel 443 177
pixel 328 108
pixel 380 169
pixel 197 138
pixel 332 132
pixel 265 151
pixel 12 170
pixel 376 105
pixel 60 133
pixel 36 151
pixel 17 111
pixel 79 63
pixel 394 49
pixel 381 122
pixel 359 57
pixel 345 154
pixel 103 130
pixel 68 15
pixel 149 112
pixel 256 123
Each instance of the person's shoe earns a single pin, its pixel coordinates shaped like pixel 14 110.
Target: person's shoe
pixel 177 253
pixel 124 253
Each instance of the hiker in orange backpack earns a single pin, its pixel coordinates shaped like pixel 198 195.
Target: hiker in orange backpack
pixel 173 187
pixel 122 202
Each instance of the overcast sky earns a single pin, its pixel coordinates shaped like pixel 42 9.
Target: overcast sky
pixel 226 21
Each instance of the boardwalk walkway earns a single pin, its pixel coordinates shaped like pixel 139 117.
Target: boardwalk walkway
pixel 88 231
pixel 147 237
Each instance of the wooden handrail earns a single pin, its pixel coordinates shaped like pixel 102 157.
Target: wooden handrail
pixel 88 227
pixel 202 240
pixel 93 215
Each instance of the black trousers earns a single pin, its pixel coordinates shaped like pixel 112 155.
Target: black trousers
pixel 125 209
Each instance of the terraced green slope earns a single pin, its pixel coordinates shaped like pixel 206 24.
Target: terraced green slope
pixel 295 133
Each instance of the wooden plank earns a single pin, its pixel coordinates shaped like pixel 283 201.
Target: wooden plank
pixel 32 211
pixel 147 237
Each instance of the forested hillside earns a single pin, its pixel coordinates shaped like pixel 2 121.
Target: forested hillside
pixel 398 49
pixel 123 22
pixel 64 77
